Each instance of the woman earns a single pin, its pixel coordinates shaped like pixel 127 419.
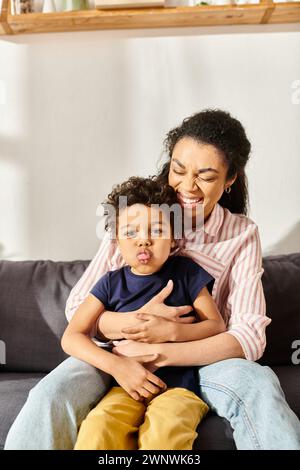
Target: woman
pixel 207 158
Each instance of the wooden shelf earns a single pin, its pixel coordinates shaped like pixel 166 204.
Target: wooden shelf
pixel 264 12
pixel 286 13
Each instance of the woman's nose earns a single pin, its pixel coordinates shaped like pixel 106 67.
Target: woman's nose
pixel 189 184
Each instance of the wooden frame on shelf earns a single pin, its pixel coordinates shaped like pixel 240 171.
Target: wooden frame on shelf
pixel 218 15
pixel 4 27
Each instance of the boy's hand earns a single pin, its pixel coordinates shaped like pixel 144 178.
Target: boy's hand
pixel 153 329
pixel 135 379
pixel 156 306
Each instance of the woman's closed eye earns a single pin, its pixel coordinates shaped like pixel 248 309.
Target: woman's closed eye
pixel 208 180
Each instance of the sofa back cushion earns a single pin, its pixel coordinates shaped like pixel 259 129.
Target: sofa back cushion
pixel 281 282
pixel 33 295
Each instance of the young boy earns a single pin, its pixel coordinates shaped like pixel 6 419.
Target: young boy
pixel 144 410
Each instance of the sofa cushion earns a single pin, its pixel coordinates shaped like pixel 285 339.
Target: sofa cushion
pixel 281 283
pixel 289 378
pixel 33 295
pixel 14 389
pixel 214 433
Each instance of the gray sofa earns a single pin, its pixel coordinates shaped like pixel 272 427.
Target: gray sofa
pixel 32 300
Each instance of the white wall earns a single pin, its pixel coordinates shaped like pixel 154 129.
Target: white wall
pixel 82 111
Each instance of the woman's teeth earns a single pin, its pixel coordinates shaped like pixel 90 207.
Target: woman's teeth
pixel 188 200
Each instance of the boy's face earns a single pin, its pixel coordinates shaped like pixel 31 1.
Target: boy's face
pixel 144 237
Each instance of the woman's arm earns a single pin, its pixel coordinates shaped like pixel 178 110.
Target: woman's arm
pixel 192 353
pixel 114 325
pixel 158 330
pixel 245 337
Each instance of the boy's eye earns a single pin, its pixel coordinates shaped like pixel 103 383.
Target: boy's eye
pixel 129 233
pixel 157 232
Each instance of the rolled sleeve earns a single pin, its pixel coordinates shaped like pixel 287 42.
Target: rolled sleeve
pixel 246 301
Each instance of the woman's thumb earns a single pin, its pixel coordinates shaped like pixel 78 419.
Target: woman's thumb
pixel 167 289
pixel 163 294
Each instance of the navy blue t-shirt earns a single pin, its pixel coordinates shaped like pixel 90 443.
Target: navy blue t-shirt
pixel 123 291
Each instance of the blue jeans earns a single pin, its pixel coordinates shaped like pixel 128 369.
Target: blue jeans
pixel 248 395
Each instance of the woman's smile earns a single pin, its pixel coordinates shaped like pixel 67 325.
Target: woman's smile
pixel 188 200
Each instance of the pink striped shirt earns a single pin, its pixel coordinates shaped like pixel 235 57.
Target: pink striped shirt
pixel 228 247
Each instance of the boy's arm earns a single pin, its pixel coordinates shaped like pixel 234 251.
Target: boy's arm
pixel 76 340
pixel 130 373
pixel 211 321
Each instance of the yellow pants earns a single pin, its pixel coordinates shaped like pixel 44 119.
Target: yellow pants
pixel 166 421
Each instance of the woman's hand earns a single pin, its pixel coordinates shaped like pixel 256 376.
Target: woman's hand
pixel 137 380
pixel 153 329
pixel 156 306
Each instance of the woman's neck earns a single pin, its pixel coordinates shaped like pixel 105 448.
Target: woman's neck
pixel 194 226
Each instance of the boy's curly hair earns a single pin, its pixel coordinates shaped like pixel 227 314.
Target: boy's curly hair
pixel 138 190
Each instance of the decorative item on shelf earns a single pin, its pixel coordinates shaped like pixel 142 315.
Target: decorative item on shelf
pixel 180 3
pixel 37 6
pixel 70 5
pixel 221 2
pixel 215 2
pixel 245 2
pixel 111 4
pixel 49 6
pixel 19 7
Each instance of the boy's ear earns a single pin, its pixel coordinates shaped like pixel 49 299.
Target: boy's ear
pixel 173 244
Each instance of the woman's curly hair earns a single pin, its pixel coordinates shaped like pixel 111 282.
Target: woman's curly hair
pixel 138 190
pixel 220 129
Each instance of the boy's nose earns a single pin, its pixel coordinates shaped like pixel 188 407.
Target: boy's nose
pixel 144 243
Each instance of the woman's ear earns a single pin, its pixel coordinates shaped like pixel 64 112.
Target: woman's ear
pixel 230 182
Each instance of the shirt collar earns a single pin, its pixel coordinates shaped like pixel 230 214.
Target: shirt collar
pixel 215 220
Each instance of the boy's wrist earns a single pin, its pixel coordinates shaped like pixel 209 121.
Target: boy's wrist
pixel 112 362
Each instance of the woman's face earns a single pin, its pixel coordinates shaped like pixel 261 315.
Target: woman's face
pixel 198 175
